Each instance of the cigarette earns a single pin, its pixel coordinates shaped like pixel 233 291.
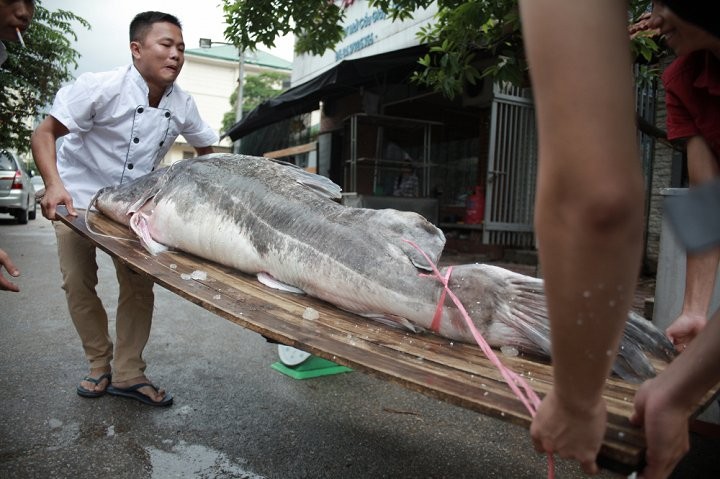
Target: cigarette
pixel 20 38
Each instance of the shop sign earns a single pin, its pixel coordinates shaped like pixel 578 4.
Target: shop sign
pixel 368 31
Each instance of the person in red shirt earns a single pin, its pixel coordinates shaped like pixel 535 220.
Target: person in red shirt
pixel 664 404
pixel 692 86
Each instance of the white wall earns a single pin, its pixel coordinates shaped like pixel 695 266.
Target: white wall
pixel 211 82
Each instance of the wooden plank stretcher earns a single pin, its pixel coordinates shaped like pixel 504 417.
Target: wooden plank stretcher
pixel 454 372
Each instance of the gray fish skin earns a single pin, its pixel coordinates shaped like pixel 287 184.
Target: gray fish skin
pixel 259 215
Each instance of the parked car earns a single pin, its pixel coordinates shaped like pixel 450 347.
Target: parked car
pixel 17 194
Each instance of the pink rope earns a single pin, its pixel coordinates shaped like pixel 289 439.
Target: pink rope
pixel 435 326
pixel 517 383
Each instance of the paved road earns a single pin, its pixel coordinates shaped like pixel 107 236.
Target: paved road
pixel 234 416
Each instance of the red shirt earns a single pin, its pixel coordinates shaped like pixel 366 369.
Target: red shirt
pixel 692 96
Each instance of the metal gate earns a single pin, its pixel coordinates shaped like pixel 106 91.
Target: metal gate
pixel 512 169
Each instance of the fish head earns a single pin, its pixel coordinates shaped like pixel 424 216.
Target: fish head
pixel 119 202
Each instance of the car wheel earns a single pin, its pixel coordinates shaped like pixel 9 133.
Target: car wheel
pixel 22 216
pixel 32 214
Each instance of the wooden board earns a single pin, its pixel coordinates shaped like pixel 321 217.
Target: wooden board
pixel 454 372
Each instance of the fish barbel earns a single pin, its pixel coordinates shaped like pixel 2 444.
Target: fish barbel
pixel 284 225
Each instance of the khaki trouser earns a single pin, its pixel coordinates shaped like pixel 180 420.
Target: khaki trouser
pixel 134 311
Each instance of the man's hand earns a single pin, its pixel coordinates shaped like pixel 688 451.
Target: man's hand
pixel 5 284
pixel 56 195
pixel 572 434
pixel 666 430
pixel 684 329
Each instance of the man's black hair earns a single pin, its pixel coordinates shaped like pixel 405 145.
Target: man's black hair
pixel 145 20
pixel 705 14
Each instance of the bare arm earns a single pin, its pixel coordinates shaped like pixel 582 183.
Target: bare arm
pixel 664 404
pixel 43 148
pixel 701 268
pixel 589 207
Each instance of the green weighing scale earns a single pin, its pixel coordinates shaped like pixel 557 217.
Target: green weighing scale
pixel 299 364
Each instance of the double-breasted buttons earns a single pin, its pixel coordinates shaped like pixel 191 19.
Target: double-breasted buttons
pixel 148 137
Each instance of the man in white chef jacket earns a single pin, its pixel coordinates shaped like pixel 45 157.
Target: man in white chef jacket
pixel 117 126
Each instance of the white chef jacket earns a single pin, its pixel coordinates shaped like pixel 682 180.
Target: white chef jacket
pixel 114 135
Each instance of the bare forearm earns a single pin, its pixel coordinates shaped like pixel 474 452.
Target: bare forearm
pixel 589 199
pixel 44 153
pixel 691 375
pixel 590 279
pixel 700 276
pixel 43 148
pixel 701 267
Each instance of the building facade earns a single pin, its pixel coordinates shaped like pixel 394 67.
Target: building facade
pixel 211 76
pixel 477 150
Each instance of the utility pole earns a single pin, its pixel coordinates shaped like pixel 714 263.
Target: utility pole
pixel 239 105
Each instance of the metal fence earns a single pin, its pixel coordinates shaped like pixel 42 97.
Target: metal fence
pixel 512 169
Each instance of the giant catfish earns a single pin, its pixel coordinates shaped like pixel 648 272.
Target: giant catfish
pixel 285 225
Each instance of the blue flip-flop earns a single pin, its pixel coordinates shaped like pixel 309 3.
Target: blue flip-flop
pixel 132 392
pixel 88 393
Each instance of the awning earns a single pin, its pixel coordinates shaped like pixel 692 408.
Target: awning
pixel 342 79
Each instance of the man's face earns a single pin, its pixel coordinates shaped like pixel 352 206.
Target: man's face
pixel 15 14
pixel 683 37
pixel 160 56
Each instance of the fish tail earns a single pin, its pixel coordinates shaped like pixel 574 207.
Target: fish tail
pixel 648 337
pixel 631 362
pixel 519 303
pixel 527 313
pixel 640 338
pixel 507 307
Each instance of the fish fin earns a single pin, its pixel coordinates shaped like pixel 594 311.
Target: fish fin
pixel 139 224
pixel 269 281
pixel 509 304
pixel 640 337
pixel 649 337
pixel 631 363
pixel 525 311
pixel 321 185
pixel 393 321
pixel 419 261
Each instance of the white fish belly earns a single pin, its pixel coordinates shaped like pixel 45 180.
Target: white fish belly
pixel 209 235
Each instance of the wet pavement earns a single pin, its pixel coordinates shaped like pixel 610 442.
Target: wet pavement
pixel 234 416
